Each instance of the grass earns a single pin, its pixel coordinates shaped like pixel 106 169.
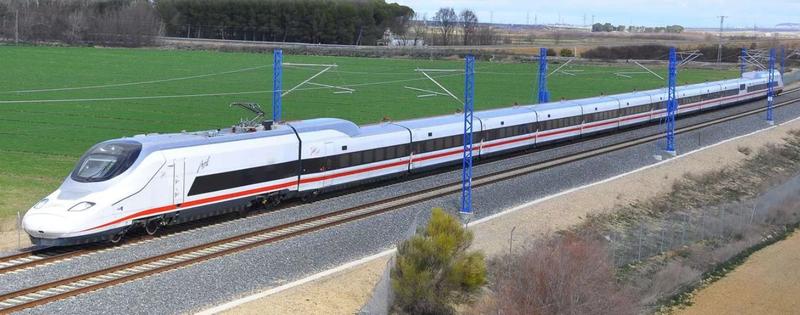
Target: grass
pixel 41 141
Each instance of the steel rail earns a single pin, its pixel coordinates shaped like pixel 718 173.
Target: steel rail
pixel 61 289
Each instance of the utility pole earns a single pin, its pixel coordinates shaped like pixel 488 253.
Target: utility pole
pixel 277 85
pixel 672 102
pixel 16 26
pixel 469 107
pixel 544 95
pixel 719 48
pixel 528 18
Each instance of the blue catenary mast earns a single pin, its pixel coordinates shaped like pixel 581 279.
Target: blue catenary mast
pixel 544 95
pixel 770 84
pixel 672 102
pixel 742 60
pixel 469 99
pixel 277 85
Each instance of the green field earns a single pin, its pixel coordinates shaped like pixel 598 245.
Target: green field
pixel 55 102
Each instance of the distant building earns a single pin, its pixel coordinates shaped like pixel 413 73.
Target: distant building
pixel 391 40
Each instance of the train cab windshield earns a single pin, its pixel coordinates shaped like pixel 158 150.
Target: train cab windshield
pixel 105 161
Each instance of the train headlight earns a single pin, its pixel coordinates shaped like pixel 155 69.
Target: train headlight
pixel 41 203
pixel 81 206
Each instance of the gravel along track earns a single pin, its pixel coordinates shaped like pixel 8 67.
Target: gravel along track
pixel 369 243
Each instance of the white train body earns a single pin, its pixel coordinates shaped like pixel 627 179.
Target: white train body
pixel 179 177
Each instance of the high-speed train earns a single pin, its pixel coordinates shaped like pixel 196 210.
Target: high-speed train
pixel 163 179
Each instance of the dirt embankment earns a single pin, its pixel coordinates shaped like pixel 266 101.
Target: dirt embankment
pixel 767 283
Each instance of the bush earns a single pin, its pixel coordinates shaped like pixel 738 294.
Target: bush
pixel 434 269
pixel 563 274
pixel 566 52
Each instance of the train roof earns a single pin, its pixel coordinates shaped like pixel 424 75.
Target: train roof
pixel 430 121
pixel 348 128
pixel 499 112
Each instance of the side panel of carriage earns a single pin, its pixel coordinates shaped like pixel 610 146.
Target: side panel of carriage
pixel 506 129
pixel 557 122
pixel 635 108
pixel 599 114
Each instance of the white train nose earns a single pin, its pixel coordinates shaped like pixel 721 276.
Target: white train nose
pixel 45 225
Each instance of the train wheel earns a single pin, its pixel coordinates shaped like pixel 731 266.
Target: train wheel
pixel 152 227
pixel 117 238
pixel 310 197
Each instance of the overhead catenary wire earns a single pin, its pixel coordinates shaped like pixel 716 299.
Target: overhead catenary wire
pixel 125 98
pixel 134 83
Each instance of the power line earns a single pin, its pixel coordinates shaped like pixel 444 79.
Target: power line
pixel 719 48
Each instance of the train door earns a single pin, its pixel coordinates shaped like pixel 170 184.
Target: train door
pixel 178 171
pixel 330 149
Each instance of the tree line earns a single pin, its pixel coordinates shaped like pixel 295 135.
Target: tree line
pixel 138 22
pixel 360 22
pixel 450 28
pixel 109 22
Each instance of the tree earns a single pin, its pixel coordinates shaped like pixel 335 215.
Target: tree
pixel 620 28
pixel 420 28
pixel 434 269
pixel 447 20
pixel 469 25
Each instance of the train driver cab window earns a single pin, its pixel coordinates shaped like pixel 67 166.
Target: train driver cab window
pixel 105 161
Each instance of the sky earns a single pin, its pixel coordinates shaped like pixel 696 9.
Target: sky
pixel 697 13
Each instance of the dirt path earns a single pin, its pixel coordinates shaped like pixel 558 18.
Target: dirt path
pixel 767 283
pixel 530 221
pixel 343 293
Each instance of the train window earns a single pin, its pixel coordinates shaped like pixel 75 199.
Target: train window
pixel 368 156
pixel 502 123
pixel 391 152
pixel 430 134
pixel 448 142
pixel 105 161
pixel 355 158
pixel 439 144
pixel 401 151
pixel 380 154
pixel 429 146
pixel 742 87
pixel 344 160
pixel 344 148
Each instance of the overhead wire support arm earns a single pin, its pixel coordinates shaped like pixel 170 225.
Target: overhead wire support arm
pixel 562 66
pixel 307 80
pixel 425 73
pixel 648 70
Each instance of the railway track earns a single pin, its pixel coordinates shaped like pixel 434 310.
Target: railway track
pixel 61 289
pixel 37 257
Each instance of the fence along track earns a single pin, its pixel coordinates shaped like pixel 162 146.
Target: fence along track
pixel 61 289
